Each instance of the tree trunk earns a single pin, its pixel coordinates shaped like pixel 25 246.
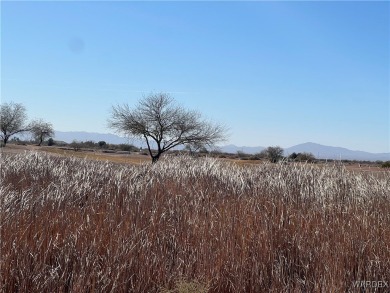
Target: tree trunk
pixel 5 140
pixel 40 141
pixel 155 158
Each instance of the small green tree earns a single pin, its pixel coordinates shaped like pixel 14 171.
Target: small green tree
pixel 102 144
pixel 50 142
pixel 293 156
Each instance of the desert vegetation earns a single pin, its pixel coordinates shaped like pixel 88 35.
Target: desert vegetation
pixel 164 125
pixel 73 225
pixel 385 164
pixel 13 121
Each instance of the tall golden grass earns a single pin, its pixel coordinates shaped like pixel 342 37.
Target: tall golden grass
pixel 73 225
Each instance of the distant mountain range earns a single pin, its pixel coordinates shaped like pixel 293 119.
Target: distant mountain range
pixel 231 148
pixel 318 150
pixel 69 136
pixel 336 153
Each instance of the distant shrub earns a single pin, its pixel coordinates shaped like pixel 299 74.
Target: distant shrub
pixel 102 144
pixel 386 164
pixel 127 147
pixel 261 155
pixel 273 154
pixel 306 157
pixel 255 157
pixel 302 157
pixel 50 142
pixel 88 144
pixel 75 145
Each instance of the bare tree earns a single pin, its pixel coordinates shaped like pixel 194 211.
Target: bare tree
pixel 274 154
pixel 164 125
pixel 41 130
pixel 12 120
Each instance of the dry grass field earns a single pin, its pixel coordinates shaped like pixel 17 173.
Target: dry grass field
pixel 84 224
pixel 82 154
pixel 137 159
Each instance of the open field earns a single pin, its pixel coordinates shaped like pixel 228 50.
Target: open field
pixel 90 155
pixel 137 159
pixel 79 225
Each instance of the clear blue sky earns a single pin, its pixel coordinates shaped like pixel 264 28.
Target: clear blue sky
pixel 276 73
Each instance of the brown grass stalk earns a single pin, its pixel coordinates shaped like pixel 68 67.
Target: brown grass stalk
pixel 73 225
